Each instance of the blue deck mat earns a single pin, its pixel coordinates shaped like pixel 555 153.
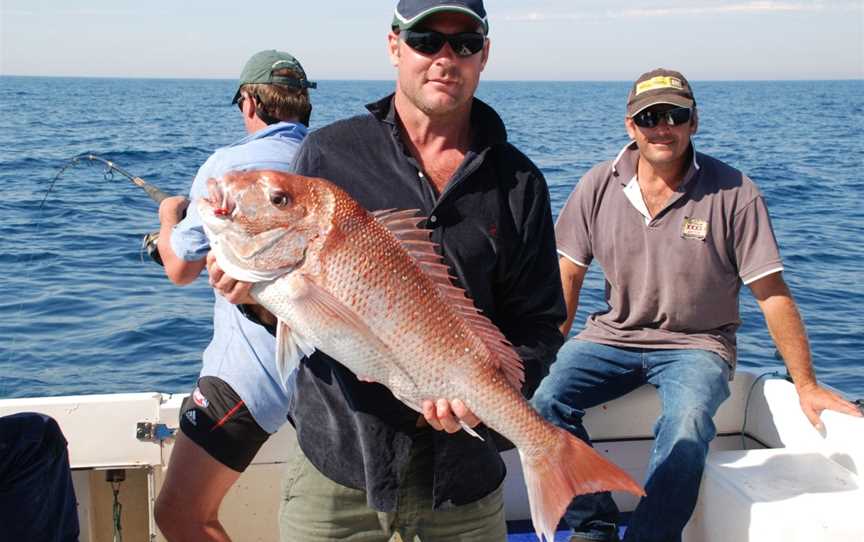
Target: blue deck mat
pixel 523 530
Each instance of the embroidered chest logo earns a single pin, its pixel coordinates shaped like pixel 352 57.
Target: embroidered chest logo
pixel 693 228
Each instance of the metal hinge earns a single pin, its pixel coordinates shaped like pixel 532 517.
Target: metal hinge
pixel 154 432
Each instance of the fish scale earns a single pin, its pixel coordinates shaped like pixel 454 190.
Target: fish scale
pixel 352 285
pixel 409 297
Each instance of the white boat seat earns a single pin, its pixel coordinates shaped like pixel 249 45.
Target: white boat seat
pixel 776 495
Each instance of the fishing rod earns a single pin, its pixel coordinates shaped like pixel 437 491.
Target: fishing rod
pixel 150 240
pixel 155 194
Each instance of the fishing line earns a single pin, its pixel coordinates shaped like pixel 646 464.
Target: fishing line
pixel 149 243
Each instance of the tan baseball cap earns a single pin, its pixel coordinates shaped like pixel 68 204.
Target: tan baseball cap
pixel 660 86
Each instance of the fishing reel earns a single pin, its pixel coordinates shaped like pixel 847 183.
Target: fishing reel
pixel 150 244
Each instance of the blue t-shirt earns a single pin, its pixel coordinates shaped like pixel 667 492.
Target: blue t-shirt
pixel 242 353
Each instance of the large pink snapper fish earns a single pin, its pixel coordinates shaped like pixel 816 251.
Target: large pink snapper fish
pixel 370 290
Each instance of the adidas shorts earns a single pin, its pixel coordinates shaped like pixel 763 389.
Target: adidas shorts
pixel 216 418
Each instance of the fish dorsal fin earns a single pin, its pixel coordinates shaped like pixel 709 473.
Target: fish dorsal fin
pixel 404 225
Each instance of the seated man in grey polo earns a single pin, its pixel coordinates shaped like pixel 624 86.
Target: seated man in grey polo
pixel 677 233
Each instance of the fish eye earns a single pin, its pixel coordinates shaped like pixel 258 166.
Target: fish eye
pixel 280 199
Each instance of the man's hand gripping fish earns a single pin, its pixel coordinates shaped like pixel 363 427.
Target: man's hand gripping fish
pixel 369 290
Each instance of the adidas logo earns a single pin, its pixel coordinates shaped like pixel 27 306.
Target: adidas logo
pixel 190 415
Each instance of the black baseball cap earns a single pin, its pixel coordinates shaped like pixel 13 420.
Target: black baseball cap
pixel 411 12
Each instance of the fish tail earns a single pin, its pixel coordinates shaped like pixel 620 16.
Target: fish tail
pixel 571 468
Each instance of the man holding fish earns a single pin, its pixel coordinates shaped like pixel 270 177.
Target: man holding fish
pixel 677 234
pixel 401 366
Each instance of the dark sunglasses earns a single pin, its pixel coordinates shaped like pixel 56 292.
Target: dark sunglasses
pixel 650 118
pixel 254 97
pixel 429 42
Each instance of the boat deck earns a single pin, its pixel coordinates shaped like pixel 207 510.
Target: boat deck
pixel 523 533
pixel 523 530
pixel 770 476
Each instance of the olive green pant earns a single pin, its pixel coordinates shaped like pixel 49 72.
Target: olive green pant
pixel 316 509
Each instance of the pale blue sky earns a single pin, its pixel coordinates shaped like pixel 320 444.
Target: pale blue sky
pixel 531 40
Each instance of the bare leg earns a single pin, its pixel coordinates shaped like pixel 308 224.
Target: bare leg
pixel 187 509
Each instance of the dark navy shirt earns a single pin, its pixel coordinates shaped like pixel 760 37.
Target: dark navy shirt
pixel 494 225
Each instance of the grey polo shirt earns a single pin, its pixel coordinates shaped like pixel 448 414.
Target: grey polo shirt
pixel 672 281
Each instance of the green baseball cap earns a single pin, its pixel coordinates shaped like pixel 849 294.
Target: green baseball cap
pixel 259 70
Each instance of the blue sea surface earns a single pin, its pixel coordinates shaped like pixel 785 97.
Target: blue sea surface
pixel 83 310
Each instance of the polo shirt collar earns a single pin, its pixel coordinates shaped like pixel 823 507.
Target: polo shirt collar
pixel 624 165
pixel 488 126
pixel 293 130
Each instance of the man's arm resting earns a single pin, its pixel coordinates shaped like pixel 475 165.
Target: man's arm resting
pixel 787 330
pixel 178 270
pixel 572 276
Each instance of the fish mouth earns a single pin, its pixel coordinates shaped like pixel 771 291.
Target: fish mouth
pixel 220 211
pixel 220 201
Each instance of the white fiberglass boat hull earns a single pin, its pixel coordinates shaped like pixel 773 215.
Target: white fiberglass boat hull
pixel 770 475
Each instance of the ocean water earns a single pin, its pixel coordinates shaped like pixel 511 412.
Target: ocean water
pixel 82 310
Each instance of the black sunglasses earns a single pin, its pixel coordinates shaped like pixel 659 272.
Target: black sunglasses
pixel 429 42
pixel 254 97
pixel 650 118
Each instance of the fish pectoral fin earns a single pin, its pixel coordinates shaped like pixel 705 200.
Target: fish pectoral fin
pixel 315 299
pixel 290 349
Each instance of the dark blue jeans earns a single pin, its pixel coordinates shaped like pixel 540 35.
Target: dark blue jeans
pixel 37 501
pixel 692 384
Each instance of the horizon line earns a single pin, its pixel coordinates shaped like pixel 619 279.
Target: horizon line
pixel 372 80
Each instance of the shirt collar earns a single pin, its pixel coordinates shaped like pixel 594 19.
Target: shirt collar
pixel 624 165
pixel 291 130
pixel 488 126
